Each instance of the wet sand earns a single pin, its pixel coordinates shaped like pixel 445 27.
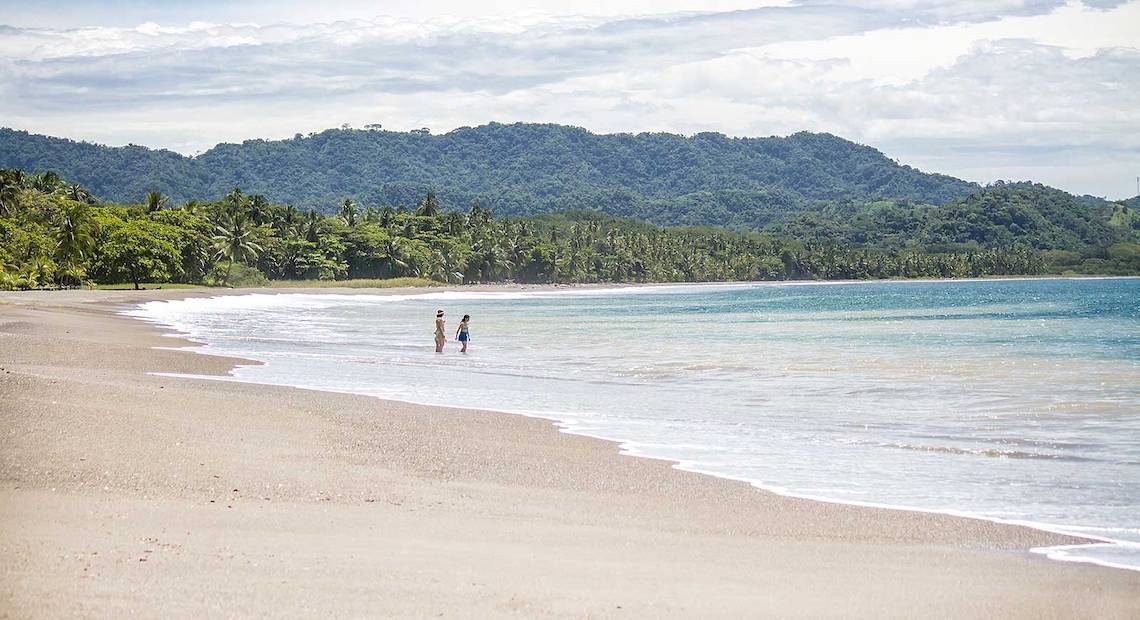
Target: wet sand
pixel 123 492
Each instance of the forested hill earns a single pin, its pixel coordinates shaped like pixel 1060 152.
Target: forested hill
pixel 514 169
pixel 1002 214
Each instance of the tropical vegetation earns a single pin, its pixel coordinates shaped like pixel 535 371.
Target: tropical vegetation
pixel 53 233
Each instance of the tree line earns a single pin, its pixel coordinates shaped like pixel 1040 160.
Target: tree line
pixel 56 234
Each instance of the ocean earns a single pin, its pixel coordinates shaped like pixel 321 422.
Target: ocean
pixel 1011 400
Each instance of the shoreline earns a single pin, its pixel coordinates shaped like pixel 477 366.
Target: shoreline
pixel 628 448
pixel 192 289
pixel 769 520
pixel 625 448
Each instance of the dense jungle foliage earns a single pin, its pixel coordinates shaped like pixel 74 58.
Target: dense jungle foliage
pixel 53 233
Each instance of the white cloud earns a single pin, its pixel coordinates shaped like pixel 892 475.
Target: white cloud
pixel 979 89
pixel 901 55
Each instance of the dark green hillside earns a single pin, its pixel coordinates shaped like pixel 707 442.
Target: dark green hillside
pixel 517 169
pixel 1003 214
pixel 121 173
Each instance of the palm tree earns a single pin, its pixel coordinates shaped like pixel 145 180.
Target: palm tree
pixel 311 226
pixel 196 258
pixel 18 177
pixel 429 206
pixel 454 223
pixel 518 249
pixel 391 256
pixel 478 216
pixel 283 220
pixel 75 239
pixel 10 186
pixel 348 213
pixel 47 182
pixel 234 241
pixel 155 201
pixel 441 268
pixel 386 215
pixel 291 216
pixel 38 272
pixel 259 209
pixel 490 257
pixel 9 280
pixel 78 193
pixel 235 202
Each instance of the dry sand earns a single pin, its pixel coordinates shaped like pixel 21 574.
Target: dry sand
pixel 128 493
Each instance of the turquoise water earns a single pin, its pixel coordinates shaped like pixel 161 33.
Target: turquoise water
pixel 1013 400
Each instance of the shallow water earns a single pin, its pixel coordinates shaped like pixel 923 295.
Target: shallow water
pixel 1014 400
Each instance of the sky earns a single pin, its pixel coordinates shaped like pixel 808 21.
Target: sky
pixel 1042 90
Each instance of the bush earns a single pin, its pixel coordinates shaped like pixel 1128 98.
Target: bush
pixel 1124 252
pixel 241 276
pixel 1097 266
pixel 8 280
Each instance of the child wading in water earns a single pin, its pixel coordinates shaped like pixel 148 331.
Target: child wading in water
pixel 461 333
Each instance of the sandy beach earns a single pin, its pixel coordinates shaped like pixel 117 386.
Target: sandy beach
pixel 122 492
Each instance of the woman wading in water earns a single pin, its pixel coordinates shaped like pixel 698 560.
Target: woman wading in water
pixel 440 334
pixel 461 334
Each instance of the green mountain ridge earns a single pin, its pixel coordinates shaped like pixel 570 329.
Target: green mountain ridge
pixel 516 169
pixel 811 187
pixel 1002 214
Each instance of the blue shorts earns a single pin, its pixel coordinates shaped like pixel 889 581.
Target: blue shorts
pixel 462 336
